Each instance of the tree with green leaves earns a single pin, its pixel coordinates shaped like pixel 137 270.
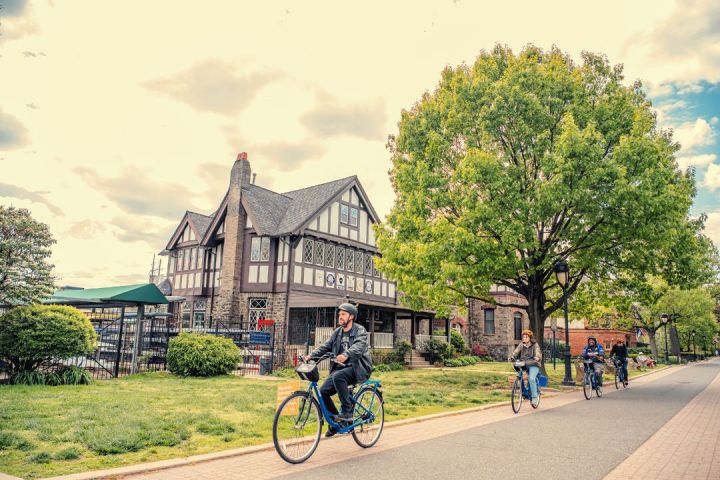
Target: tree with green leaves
pixel 25 247
pixel 518 162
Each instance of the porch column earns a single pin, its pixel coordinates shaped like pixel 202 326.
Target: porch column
pixel 371 317
pixel 412 329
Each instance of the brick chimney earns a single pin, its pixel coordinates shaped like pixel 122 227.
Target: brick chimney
pixel 228 304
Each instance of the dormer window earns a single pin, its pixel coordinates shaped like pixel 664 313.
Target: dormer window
pixel 354 217
pixel 344 214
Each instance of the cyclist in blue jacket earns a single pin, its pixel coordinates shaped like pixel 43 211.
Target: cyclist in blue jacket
pixel 593 350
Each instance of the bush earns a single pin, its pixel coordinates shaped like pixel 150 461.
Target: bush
pixel 388 367
pixel 457 341
pixel 37 333
pixel 42 457
pixel 67 375
pixel 72 375
pixel 480 350
pixel 438 351
pixel 7 440
pixel 462 361
pixel 202 355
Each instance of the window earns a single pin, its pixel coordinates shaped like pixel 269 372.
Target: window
pixel 518 326
pixel 308 248
pixel 349 260
pixel 319 253
pixel 359 262
pixel 265 249
pixel 376 273
pixel 354 217
pixel 257 311
pixel 330 256
pixel 344 214
pixel 340 258
pixel 489 321
pixel 255 249
pixel 368 264
pixel 193 252
pixel 199 320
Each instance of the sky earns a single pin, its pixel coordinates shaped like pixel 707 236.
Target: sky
pixel 117 117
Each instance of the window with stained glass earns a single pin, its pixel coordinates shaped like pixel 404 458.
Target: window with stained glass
pixel 330 256
pixel 319 253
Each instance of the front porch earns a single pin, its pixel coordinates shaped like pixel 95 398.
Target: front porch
pixel 313 326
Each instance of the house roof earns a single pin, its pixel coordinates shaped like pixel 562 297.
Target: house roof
pixel 277 214
pixel 201 222
pixel 145 294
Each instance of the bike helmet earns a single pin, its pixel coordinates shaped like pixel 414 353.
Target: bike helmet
pixel 593 339
pixel 349 308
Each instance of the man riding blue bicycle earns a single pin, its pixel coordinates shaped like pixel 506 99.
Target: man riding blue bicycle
pixel 353 364
pixel 595 352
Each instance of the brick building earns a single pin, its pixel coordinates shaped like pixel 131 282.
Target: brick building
pixel 498 328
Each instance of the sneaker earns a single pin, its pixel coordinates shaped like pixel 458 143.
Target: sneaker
pixel 599 389
pixel 344 419
pixel 535 401
pixel 330 432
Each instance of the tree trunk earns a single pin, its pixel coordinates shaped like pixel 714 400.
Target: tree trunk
pixel 653 344
pixel 536 315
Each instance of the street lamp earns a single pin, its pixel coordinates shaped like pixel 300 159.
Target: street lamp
pixel 692 336
pixel 664 320
pixel 562 272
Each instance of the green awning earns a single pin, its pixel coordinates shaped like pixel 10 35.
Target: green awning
pixel 143 294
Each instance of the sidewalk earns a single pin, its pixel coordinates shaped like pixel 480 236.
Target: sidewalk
pixel 687 447
pixel 262 462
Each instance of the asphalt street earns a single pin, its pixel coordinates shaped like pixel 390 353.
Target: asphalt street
pixel 585 439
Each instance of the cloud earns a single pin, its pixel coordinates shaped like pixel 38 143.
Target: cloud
pixel 694 134
pixel 12 191
pixel 665 111
pixel 20 22
pixel 714 121
pixel 687 40
pixel 364 121
pixel 287 156
pixel 690 88
pixel 712 177
pixel 13 134
pixel 13 8
pixel 214 86
pixel 135 193
pixel 130 278
pixel 712 227
pixel 85 229
pixel 138 229
pixel 696 160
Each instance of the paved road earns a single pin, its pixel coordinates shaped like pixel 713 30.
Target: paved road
pixel 581 440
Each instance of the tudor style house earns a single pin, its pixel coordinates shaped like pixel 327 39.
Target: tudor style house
pixel 291 257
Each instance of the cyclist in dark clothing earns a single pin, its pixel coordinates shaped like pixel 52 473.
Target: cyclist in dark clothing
pixel 595 352
pixel 619 351
pixel 349 343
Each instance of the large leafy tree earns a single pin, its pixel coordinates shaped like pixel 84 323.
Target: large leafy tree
pixel 25 247
pixel 520 161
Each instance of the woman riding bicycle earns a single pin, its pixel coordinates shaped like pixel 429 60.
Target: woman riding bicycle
pixel 349 342
pixel 619 351
pixel 529 352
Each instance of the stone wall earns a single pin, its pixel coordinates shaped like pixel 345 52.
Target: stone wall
pixel 501 343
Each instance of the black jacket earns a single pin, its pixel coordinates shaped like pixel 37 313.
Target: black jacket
pixel 358 353
pixel 619 351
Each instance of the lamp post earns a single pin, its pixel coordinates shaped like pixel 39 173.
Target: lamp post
pixel 664 320
pixel 692 336
pixel 562 272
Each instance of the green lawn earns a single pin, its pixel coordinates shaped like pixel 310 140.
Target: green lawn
pixel 47 431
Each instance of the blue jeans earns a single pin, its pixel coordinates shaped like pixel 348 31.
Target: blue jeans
pixel 533 371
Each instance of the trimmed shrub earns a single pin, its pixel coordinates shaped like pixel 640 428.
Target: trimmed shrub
pixel 33 334
pixel 457 341
pixel 462 361
pixel 388 367
pixel 480 350
pixel 202 355
pixel 438 351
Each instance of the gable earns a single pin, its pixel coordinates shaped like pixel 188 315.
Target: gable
pixel 346 217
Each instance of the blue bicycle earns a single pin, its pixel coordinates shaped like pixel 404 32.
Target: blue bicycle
pixel 590 380
pixel 521 387
pixel 299 418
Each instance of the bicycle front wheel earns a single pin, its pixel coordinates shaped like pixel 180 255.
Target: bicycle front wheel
pixel 368 404
pixel 297 427
pixel 517 396
pixel 618 379
pixel 587 387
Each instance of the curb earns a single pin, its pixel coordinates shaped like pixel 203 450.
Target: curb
pixel 237 452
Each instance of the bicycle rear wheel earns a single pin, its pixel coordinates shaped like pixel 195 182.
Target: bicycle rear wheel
pixel 517 396
pixel 367 434
pixel 587 387
pixel 297 427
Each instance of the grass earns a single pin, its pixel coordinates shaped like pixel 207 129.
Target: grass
pixel 47 431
